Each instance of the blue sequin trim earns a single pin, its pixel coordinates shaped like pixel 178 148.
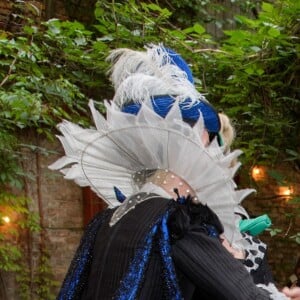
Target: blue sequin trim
pixel 211 230
pixel 77 274
pixel 173 289
pixel 129 287
pixel 131 283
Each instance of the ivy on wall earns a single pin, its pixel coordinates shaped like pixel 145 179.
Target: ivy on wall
pixel 50 70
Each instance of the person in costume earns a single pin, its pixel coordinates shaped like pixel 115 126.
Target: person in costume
pixel 169 189
pixel 160 73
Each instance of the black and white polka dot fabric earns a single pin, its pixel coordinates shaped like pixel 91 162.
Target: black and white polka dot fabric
pixel 254 252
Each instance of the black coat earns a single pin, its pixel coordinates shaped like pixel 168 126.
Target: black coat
pixel 204 268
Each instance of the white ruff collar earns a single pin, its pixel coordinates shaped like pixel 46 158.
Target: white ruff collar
pixel 126 145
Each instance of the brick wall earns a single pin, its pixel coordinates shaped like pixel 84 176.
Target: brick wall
pixel 11 12
pixel 58 202
pixel 283 251
pixel 43 10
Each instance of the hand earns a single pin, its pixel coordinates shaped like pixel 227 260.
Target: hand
pixel 293 293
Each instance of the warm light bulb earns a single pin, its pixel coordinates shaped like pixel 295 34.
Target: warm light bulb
pixel 6 219
pixel 257 173
pixel 285 190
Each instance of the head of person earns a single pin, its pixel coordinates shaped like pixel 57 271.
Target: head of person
pixel 163 77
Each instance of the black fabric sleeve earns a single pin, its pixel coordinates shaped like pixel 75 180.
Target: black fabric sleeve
pixel 213 270
pixel 77 274
pixel 263 274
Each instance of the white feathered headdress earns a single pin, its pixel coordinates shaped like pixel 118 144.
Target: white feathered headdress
pixel 124 145
pixel 120 147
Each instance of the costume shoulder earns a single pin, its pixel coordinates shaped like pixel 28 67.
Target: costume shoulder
pixel 77 274
pixel 193 216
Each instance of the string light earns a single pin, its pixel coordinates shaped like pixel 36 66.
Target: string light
pixel 6 219
pixel 285 190
pixel 258 173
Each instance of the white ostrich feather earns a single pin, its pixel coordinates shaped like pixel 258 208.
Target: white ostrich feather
pixel 136 75
pixel 126 62
pixel 125 144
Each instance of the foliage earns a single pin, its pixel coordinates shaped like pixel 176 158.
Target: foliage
pixel 44 277
pixel 257 81
pixel 274 231
pixel 14 217
pixel 50 70
pixel 186 12
pixel 15 221
pixel 296 237
pixel 42 280
pixel 251 73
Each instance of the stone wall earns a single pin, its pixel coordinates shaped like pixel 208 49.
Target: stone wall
pixel 63 214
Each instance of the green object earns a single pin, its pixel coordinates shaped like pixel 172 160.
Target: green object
pixel 255 226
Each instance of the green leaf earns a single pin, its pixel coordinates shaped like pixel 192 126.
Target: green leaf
pixel 267 7
pixel 199 28
pixel 273 32
pixel 259 71
pixel 250 70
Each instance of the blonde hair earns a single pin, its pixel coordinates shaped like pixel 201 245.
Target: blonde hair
pixel 227 131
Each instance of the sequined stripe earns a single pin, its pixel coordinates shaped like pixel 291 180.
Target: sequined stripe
pixel 130 284
pixel 78 270
pixel 173 289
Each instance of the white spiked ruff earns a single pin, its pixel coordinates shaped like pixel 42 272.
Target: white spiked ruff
pixel 124 145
